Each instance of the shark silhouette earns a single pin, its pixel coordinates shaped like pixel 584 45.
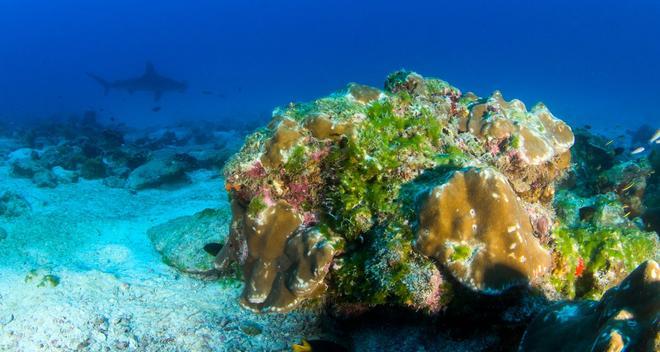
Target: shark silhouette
pixel 150 81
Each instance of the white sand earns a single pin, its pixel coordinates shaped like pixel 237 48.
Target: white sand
pixel 115 294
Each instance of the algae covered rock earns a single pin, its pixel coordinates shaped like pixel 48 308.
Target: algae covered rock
pixel 181 241
pixel 13 205
pixel 625 319
pixel 347 172
pixel 475 226
pixel 65 176
pixel 596 245
pixel 45 179
pixel 159 171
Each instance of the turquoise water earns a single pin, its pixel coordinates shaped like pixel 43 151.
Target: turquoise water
pixel 590 60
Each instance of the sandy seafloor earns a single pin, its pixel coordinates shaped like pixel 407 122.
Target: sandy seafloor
pixel 115 293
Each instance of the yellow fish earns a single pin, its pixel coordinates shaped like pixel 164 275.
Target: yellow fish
pixel 318 346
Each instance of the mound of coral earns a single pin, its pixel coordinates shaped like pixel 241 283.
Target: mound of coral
pixel 370 197
pixel 420 197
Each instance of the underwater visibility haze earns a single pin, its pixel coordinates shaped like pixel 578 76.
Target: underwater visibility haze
pixel 329 176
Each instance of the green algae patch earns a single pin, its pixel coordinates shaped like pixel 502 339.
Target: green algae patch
pixel 596 245
pixel 42 278
pixel 460 253
pixel 49 280
pixel 369 179
pixel 593 259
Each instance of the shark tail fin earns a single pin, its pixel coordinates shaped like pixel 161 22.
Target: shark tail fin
pixel 101 81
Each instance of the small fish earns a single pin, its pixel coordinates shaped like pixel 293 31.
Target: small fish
pixel 628 186
pixel 318 346
pixel 656 137
pixel 213 248
pixel 637 150
pixel 156 109
pixel 609 142
pixel 587 127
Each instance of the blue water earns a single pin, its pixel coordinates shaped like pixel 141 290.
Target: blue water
pixel 594 62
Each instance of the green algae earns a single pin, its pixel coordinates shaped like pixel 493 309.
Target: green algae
pixel 297 161
pixel 460 253
pixel 595 251
pixel 367 181
pixel 44 280
pixel 256 206
pixel 49 280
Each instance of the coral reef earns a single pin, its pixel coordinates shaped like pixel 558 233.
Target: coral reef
pixel 625 319
pixel 361 168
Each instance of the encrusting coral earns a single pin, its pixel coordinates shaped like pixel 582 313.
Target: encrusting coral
pixel 337 196
pixel 474 225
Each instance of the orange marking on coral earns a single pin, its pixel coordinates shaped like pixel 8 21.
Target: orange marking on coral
pixel 579 269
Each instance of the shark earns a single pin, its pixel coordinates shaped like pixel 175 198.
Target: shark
pixel 150 81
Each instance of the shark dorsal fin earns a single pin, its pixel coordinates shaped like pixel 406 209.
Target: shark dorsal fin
pixel 149 69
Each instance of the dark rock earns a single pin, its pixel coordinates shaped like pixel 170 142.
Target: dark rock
pixel 189 162
pixel 212 159
pixel 136 159
pixel 625 319
pixel 159 171
pixel 181 241
pixel 111 138
pixel 93 169
pixel 13 205
pixel 45 179
pixel 67 156
pixel 65 176
pixel 114 182
pixel 25 168
pixel 91 150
